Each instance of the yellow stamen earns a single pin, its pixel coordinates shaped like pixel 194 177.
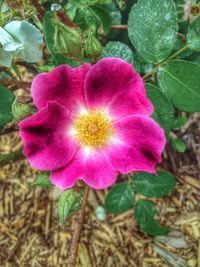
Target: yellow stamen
pixel 93 129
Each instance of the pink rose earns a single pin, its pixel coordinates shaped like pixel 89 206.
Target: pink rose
pixel 92 123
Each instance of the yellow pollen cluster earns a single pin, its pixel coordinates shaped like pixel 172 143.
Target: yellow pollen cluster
pixel 93 129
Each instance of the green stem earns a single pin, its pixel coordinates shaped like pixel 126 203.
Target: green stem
pixel 11 157
pixel 149 74
pixel 168 59
pixel 177 53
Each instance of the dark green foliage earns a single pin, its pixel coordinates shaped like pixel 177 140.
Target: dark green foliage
pixel 120 198
pixel 151 185
pixel 163 109
pixel 145 213
pixel 6 100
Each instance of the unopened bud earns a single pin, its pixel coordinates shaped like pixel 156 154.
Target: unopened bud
pixel 67 40
pixel 20 110
pixel 93 47
pixel 195 10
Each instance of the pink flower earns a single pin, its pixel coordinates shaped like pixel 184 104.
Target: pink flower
pixel 92 123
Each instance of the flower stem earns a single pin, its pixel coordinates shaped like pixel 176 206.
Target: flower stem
pixel 77 227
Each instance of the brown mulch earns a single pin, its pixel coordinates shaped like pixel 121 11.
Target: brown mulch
pixel 30 235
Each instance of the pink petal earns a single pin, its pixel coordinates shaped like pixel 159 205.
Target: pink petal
pixel 93 169
pixel 47 144
pixel 114 84
pixel 63 84
pixel 138 145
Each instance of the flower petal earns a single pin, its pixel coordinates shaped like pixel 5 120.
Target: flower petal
pixel 29 36
pixel 7 42
pixel 5 58
pixel 113 84
pixel 138 145
pixel 92 168
pixel 47 144
pixel 63 84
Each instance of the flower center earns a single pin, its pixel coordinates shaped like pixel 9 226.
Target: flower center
pixel 93 129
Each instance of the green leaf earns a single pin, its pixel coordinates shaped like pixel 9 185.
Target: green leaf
pixel 178 145
pixel 120 198
pixel 197 59
pixel 60 59
pixel 115 14
pixel 21 110
pixel 69 203
pixel 145 212
pixel 42 180
pixel 104 17
pixel 104 2
pixel 180 121
pixel 45 68
pixel 163 109
pixel 49 30
pixel 150 185
pixel 152 28
pixel 179 80
pixel 180 45
pixel 4 7
pixel 82 3
pixel 87 19
pixel 49 33
pixel 16 70
pixel 116 18
pixel 71 10
pixel 193 35
pixel 6 100
pixel 118 49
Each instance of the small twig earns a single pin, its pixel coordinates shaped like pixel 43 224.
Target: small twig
pixel 16 84
pixel 25 100
pixel 9 130
pixel 28 66
pixel 182 37
pixel 66 19
pixel 10 157
pixel 39 9
pixel 119 27
pixel 77 227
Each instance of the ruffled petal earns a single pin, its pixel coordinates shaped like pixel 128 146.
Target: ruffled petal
pixel 113 84
pixel 137 146
pixel 91 167
pixel 46 137
pixel 63 84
